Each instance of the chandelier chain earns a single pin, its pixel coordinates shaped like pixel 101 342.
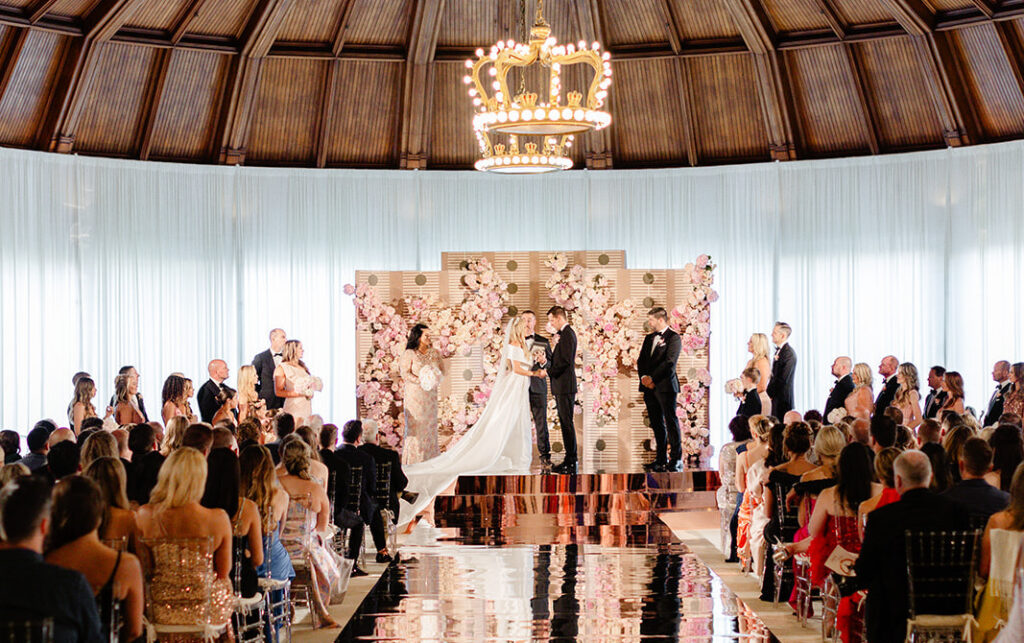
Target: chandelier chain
pixel 522 23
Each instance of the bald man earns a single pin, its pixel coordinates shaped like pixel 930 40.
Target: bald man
pixel 887 369
pixel 841 368
pixel 207 395
pixel 1001 376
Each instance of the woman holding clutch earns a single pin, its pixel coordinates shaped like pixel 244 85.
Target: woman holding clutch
pixel 421 371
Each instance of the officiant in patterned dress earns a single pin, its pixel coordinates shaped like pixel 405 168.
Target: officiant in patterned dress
pixel 421 369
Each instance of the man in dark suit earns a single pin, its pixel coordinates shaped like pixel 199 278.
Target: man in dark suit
pixel 381 456
pixel 562 371
pixel 659 383
pixel 841 368
pixel 1001 376
pixel 780 386
pixel 539 387
pixel 207 396
pixel 882 564
pixel 750 404
pixel 284 425
pixel 936 397
pixel 265 364
pixel 981 499
pixel 887 369
pixel 351 434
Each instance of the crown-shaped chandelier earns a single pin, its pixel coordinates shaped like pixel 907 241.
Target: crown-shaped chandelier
pixel 498 111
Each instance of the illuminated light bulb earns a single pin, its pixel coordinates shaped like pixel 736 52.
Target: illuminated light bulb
pixel 578 114
pixel 601 94
pixel 595 45
pixel 502 117
pixel 570 49
pixel 566 113
pixel 479 53
pixel 472 91
pixel 553 115
pixel 606 56
pixel 581 45
pixel 511 43
pixel 506 161
pixel 513 116
pixel 500 97
pixel 556 67
pixel 477 102
pixel 469 63
pixel 527 115
pixel 515 160
pixel 493 71
pixel 608 73
pixel 496 85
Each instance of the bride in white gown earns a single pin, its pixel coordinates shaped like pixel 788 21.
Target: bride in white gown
pixel 499 443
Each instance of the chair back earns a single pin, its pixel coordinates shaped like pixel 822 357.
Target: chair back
pixel 1005 561
pixel 27 631
pixel 117 544
pixel 845 532
pixel 786 518
pixel 299 523
pixel 940 571
pixel 332 489
pixel 179 580
pixel 383 491
pixel 355 489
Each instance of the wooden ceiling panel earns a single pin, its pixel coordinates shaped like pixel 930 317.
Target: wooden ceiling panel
pixel 186 119
pixel 471 23
pixel 312 21
pixel 648 122
pixel 17 4
pixel 949 5
pixel 24 100
pixel 991 81
pixel 363 131
pixel 112 106
pixel 892 72
pixel 830 114
pixel 158 15
pixel 223 18
pixel 862 12
pixel 284 125
pixel 727 110
pixel 452 142
pixel 633 22
pixel 795 15
pixel 379 22
pixel 73 8
pixel 703 19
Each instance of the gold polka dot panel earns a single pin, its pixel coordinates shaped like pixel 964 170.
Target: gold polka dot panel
pixel 603 259
pixel 421 280
pixel 648 278
pixel 512 265
pixel 372 280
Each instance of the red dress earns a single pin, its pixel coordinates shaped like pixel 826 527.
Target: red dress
pixel 839 530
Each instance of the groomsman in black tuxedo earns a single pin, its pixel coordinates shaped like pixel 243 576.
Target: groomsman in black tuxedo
pixel 1001 376
pixel 841 368
pixel 208 393
pixel 887 369
pixel 936 397
pixel 780 386
pixel 659 383
pixel 265 364
pixel 562 371
pixel 539 387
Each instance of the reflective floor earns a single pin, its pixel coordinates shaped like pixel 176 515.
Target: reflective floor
pixel 622 581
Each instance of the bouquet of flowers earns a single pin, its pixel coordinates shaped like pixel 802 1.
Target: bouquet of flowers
pixel 309 385
pixel 836 415
pixel 430 377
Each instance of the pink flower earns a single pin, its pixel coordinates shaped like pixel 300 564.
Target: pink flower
pixel 349 289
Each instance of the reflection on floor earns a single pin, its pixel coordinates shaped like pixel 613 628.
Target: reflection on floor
pixel 567 578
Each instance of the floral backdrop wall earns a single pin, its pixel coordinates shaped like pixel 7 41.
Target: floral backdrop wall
pixel 467 304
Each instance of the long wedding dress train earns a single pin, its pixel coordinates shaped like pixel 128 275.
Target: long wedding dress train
pixel 499 443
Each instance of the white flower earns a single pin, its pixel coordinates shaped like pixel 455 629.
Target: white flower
pixel 430 377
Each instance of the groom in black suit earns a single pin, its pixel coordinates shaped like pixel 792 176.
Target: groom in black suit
pixel 562 371
pixel 539 387
pixel 780 386
pixel 659 383
pixel 265 364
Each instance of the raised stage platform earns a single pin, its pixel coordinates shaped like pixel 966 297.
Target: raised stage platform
pixel 558 558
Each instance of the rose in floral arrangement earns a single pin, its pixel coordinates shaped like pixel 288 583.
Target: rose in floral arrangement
pixel 430 377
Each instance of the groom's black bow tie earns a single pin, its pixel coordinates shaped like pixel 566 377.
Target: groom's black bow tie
pixel 531 337
pixel 277 354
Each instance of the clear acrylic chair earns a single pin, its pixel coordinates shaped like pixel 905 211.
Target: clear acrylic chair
pixel 277 594
pixel 383 499
pixel 941 568
pixel 27 631
pixel 249 616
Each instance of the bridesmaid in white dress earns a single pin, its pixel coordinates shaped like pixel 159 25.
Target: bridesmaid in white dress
pixel 293 382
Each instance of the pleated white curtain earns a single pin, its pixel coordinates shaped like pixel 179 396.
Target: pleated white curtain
pixel 166 266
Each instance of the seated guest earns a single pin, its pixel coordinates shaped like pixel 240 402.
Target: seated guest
pixel 249 434
pixel 259 485
pixel 1007 454
pixel 174 512
pixel 73 543
pixel 302 536
pixel 145 465
pixel 1010 418
pixel 953 444
pixel 904 438
pixel 11 472
pixel 883 468
pixel 882 564
pixel 223 491
pixel 750 403
pixel 62 460
pixel 118 519
pixel 317 469
pixel 38 444
pixel 728 495
pixel 883 432
pixel 979 497
pixel 199 437
pixel 813 415
pixel 173 435
pixel 41 590
pixel 98 445
pixel 929 432
pixel 1000 547
pixel 284 424
pixel 383 455
pixel 223 438
pixel 861 431
pixel 10 442
pixel 351 436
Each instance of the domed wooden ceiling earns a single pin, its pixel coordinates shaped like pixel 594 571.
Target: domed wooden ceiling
pixel 377 83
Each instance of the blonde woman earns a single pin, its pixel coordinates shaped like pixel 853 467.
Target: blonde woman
pixel 174 434
pixel 173 511
pixel 249 403
pixel 81 406
pixel 861 402
pixel 118 518
pixel 124 411
pixel 758 345
pixel 907 398
pixel 293 382
pixel 186 407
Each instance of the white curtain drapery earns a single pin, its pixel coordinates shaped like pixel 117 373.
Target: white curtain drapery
pixel 165 266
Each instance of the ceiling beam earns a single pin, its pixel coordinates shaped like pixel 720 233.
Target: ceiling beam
pixel 987 8
pixel 338 42
pixel 151 102
pixel 184 19
pixel 1014 50
pixel 9 57
pixel 238 102
pixel 686 95
pixel 325 118
pixel 868 121
pixel 39 9
pixel 913 15
pixel 597 146
pixel 669 22
pixel 758 33
pixel 418 88
pixel 832 18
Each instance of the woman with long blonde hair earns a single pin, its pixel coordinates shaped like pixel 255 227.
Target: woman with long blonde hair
pixel 861 402
pixel 907 398
pixel 174 434
pixel 758 348
pixel 294 383
pixel 81 405
pixel 249 403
